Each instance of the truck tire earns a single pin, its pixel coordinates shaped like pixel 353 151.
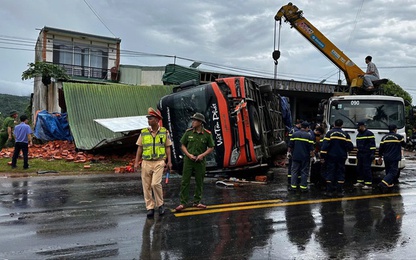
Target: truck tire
pixel 266 89
pixel 255 123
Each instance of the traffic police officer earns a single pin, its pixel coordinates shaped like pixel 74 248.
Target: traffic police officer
pixel 154 147
pixel 301 148
pixel 366 148
pixel 334 152
pixel 391 150
pixel 197 143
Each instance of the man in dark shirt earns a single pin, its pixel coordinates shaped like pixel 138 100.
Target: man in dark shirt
pixel 294 129
pixel 391 151
pixel 366 148
pixel 334 152
pixel 301 148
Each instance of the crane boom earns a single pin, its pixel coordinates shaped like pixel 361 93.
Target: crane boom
pixel 294 16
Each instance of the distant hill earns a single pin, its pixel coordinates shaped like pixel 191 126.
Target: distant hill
pixel 10 102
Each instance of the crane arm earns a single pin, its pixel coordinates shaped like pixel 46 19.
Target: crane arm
pixel 294 16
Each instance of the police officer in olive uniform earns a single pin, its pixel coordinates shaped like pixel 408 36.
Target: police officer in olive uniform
pixel 154 148
pixel 6 134
pixel 197 142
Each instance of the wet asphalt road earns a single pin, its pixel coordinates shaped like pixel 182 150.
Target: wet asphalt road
pixel 103 216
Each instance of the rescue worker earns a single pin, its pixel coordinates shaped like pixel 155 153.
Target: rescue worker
pixel 366 148
pixel 301 148
pixel 154 147
pixel 197 143
pixel 295 128
pixel 316 167
pixel 391 152
pixel 334 152
pixel 6 134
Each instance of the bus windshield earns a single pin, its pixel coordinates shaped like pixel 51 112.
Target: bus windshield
pixel 187 103
pixel 377 114
pixel 181 106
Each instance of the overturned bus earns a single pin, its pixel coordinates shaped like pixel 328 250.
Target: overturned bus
pixel 245 120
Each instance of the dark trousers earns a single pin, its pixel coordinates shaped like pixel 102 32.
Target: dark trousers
pixel 364 174
pixel 300 168
pixel 392 169
pixel 19 146
pixel 335 173
pixel 318 174
pixel 289 173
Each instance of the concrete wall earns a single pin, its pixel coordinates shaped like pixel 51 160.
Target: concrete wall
pixel 144 76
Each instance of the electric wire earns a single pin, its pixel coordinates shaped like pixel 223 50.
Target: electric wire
pixel 8 42
pixel 98 16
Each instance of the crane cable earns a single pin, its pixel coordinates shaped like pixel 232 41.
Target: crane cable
pixel 276 53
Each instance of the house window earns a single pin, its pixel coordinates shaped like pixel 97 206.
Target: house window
pixel 81 60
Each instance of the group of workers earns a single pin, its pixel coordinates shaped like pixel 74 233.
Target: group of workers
pixel 154 148
pixel 307 147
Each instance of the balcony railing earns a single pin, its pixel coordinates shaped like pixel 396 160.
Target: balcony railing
pixel 87 72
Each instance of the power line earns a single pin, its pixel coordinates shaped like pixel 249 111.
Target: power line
pixel 99 18
pixel 10 40
pixel 355 23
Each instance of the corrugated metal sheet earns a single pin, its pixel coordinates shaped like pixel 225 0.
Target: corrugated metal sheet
pixel 86 102
pixel 176 74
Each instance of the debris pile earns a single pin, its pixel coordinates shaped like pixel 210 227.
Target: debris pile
pixel 65 150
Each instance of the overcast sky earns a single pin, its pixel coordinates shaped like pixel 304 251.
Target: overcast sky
pixel 237 34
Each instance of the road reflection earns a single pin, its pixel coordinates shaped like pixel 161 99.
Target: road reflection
pixel 151 239
pixel 347 228
pixel 331 234
pixel 300 225
pixel 226 235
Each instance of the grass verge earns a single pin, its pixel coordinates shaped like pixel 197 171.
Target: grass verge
pixel 60 166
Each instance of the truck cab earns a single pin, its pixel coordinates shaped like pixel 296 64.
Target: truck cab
pixel 378 112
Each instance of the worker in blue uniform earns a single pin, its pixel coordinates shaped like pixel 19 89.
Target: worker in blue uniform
pixel 391 152
pixel 301 148
pixel 366 148
pixel 334 152
pixel 294 129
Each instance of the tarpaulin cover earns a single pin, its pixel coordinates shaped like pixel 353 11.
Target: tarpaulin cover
pixel 286 114
pixel 52 126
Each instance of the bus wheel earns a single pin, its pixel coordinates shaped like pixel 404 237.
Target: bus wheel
pixel 255 123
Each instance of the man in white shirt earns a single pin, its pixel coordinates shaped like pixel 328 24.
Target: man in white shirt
pixel 371 74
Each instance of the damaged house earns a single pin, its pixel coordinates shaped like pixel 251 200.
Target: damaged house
pixel 93 94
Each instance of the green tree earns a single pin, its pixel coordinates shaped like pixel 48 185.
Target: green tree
pixel 46 71
pixel 392 89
